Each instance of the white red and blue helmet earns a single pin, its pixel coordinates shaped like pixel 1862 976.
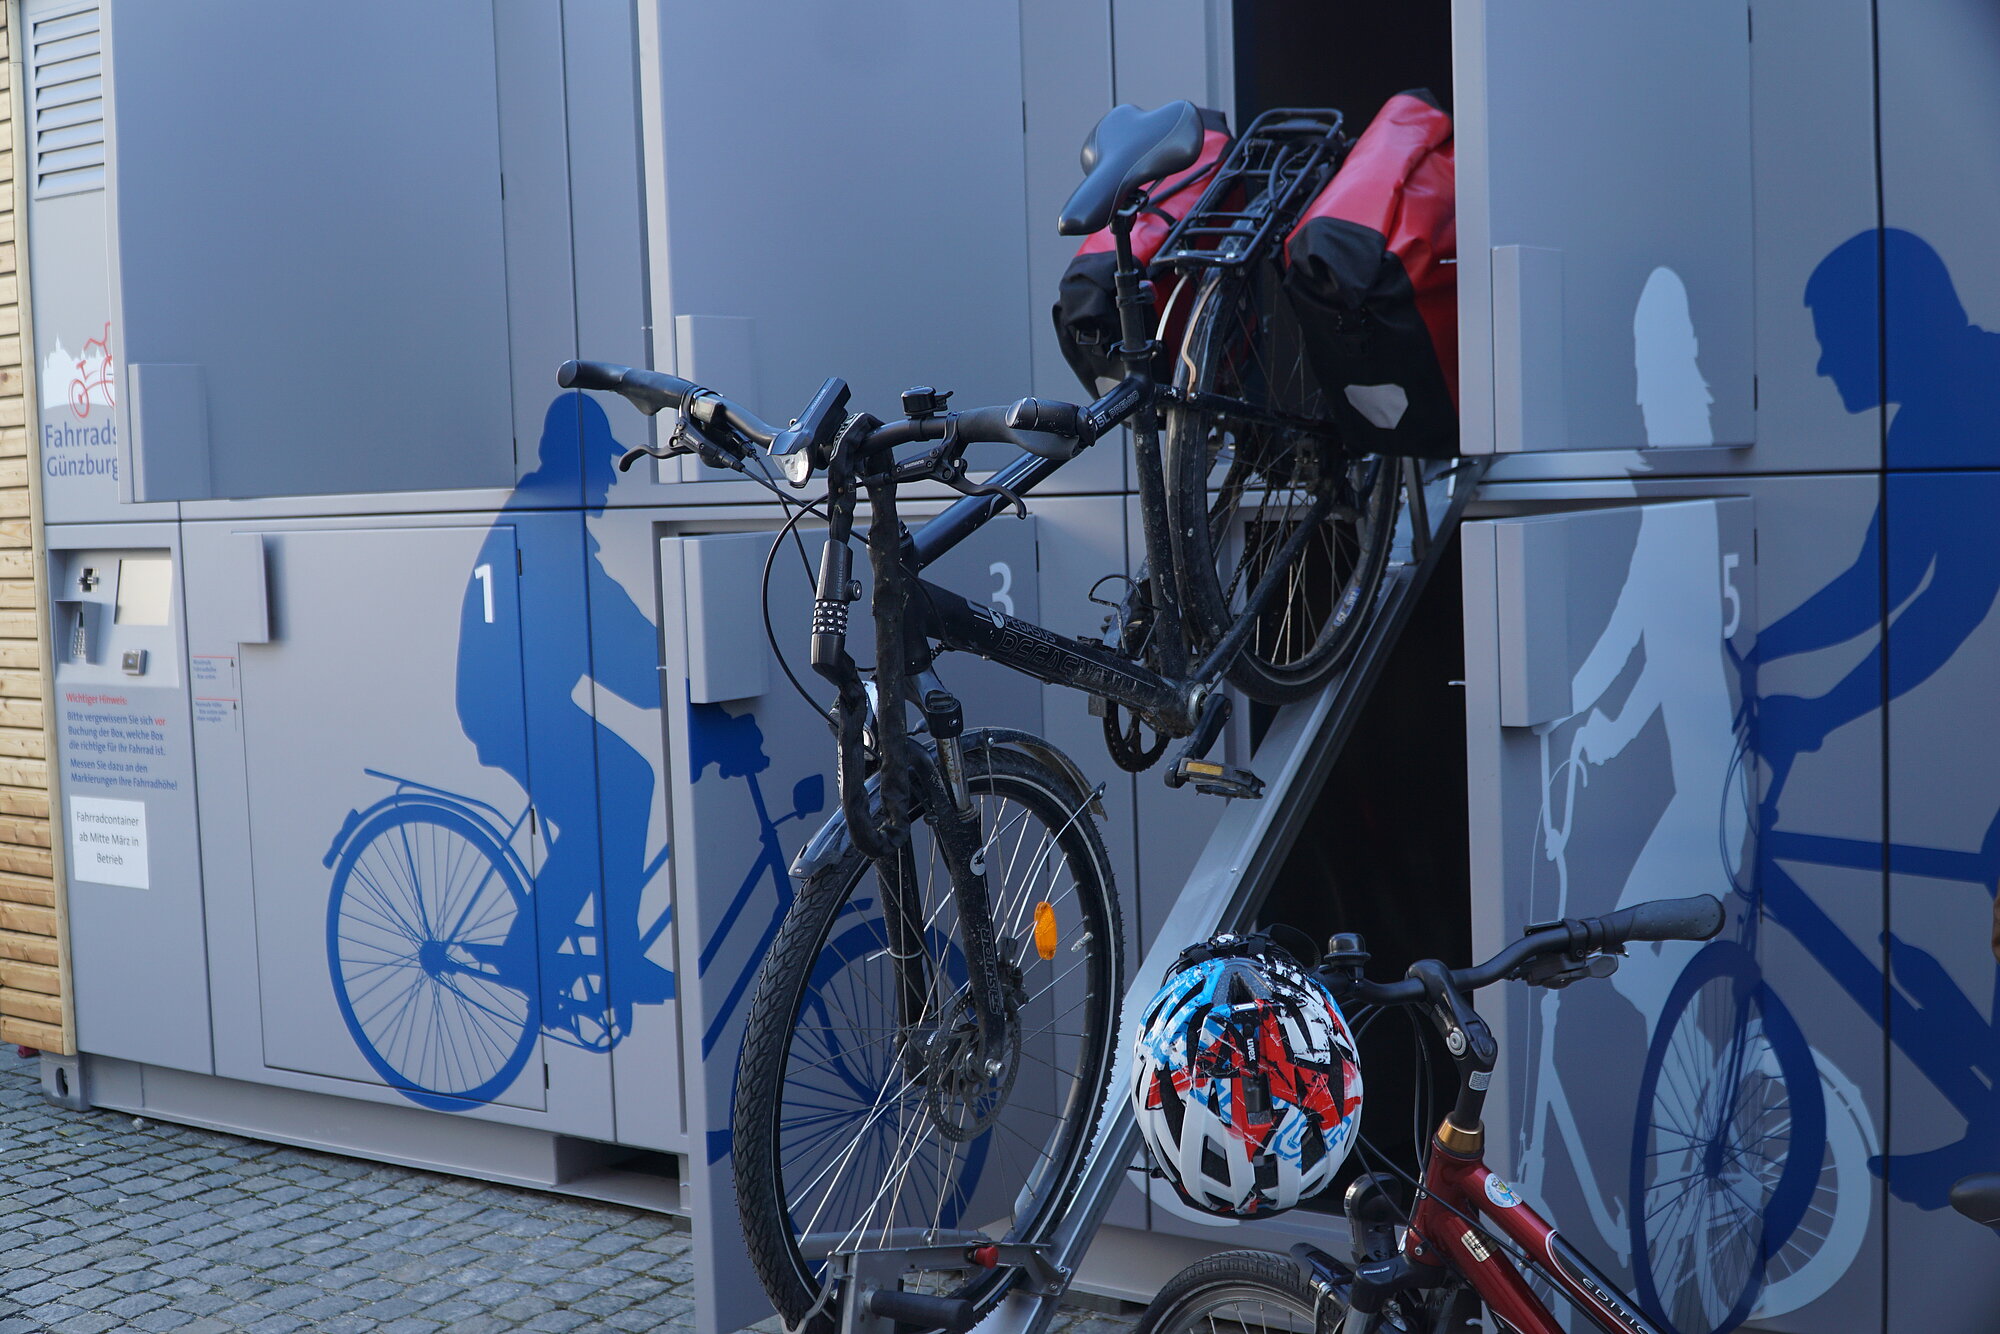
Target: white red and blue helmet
pixel 1245 1081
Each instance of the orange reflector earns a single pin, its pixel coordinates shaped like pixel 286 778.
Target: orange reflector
pixel 1045 929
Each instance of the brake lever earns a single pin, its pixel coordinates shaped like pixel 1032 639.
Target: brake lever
pixel 965 488
pixel 714 455
pixel 1556 971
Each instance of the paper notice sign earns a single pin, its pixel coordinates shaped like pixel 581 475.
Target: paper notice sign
pixel 107 841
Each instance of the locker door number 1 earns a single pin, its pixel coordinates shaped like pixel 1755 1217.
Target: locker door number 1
pixel 484 574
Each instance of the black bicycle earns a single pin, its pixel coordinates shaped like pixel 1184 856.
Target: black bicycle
pixel 932 1032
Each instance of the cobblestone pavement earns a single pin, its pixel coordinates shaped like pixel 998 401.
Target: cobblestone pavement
pixel 109 1223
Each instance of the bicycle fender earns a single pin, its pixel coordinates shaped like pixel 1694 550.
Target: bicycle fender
pixel 347 828
pixel 1084 793
pixel 832 841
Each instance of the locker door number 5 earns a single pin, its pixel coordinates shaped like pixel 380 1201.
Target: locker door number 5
pixel 1734 599
pixel 1003 596
pixel 484 574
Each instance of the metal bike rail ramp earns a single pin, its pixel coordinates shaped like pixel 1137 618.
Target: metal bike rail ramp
pixel 1244 853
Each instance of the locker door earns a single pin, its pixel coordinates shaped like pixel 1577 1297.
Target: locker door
pixel 382 725
pixel 1607 768
pixel 753 767
pixel 1605 283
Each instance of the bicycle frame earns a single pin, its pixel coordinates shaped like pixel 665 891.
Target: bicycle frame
pixel 1459 1186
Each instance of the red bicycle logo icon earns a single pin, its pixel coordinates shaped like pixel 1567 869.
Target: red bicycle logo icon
pixel 88 380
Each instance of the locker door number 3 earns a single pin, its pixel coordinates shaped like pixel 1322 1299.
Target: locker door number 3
pixel 1003 596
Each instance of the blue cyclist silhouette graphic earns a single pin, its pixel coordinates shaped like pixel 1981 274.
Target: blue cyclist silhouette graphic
pixel 449 954
pixel 594 823
pixel 1934 583
pixel 1941 374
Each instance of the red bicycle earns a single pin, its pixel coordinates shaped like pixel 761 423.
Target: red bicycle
pixel 1470 1241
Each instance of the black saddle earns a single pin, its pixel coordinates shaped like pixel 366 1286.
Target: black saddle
pixel 1978 1198
pixel 1128 148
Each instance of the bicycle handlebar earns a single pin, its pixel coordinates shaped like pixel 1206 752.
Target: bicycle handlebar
pixel 1051 429
pixel 651 391
pixel 1697 918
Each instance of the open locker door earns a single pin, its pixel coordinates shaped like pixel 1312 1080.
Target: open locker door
pixel 1604 197
pixel 1671 1116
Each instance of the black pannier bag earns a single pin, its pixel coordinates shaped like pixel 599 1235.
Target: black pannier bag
pixel 1086 310
pixel 1371 276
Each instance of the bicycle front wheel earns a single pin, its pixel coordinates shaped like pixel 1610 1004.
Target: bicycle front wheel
pixel 855 1127
pixel 1240 1292
pixel 1728 1147
pixel 1252 454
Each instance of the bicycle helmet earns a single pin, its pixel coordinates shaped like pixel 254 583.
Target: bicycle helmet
pixel 1245 1080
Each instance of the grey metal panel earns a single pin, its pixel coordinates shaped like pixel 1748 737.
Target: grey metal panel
pixel 607 210
pixel 245 595
pixel 830 203
pixel 531 68
pixel 138 966
pixel 344 351
pixel 1533 654
pixel 727 657
pixel 1167 49
pixel 1583 128
pixel 1065 87
pixel 1814 160
pixel 167 453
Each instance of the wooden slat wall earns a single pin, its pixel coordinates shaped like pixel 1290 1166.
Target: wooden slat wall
pixel 34 967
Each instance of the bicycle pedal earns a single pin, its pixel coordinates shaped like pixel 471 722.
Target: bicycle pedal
pixel 1215 780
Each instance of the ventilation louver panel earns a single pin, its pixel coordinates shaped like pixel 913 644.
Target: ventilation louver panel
pixel 67 80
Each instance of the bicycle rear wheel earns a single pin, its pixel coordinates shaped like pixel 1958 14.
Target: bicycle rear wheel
pixel 1239 486
pixel 429 943
pixel 851 1130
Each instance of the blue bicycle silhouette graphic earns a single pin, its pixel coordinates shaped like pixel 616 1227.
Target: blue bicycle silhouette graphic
pixel 433 948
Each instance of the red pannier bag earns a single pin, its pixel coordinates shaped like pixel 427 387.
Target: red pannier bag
pixel 1371 273
pixel 1086 310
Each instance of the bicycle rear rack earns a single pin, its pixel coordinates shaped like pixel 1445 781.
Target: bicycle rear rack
pixel 1270 175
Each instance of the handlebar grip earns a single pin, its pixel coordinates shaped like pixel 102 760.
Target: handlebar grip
pixel 951 1314
pixel 1696 918
pixel 1035 414
pixel 649 391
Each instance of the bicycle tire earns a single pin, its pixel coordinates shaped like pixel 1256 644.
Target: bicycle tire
pixel 1233 486
pixel 441 1026
pixel 1251 1292
pixel 1720 1017
pixel 830 972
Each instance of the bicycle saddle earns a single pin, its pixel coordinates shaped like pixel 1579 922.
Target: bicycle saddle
pixel 1978 1198
pixel 1128 147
